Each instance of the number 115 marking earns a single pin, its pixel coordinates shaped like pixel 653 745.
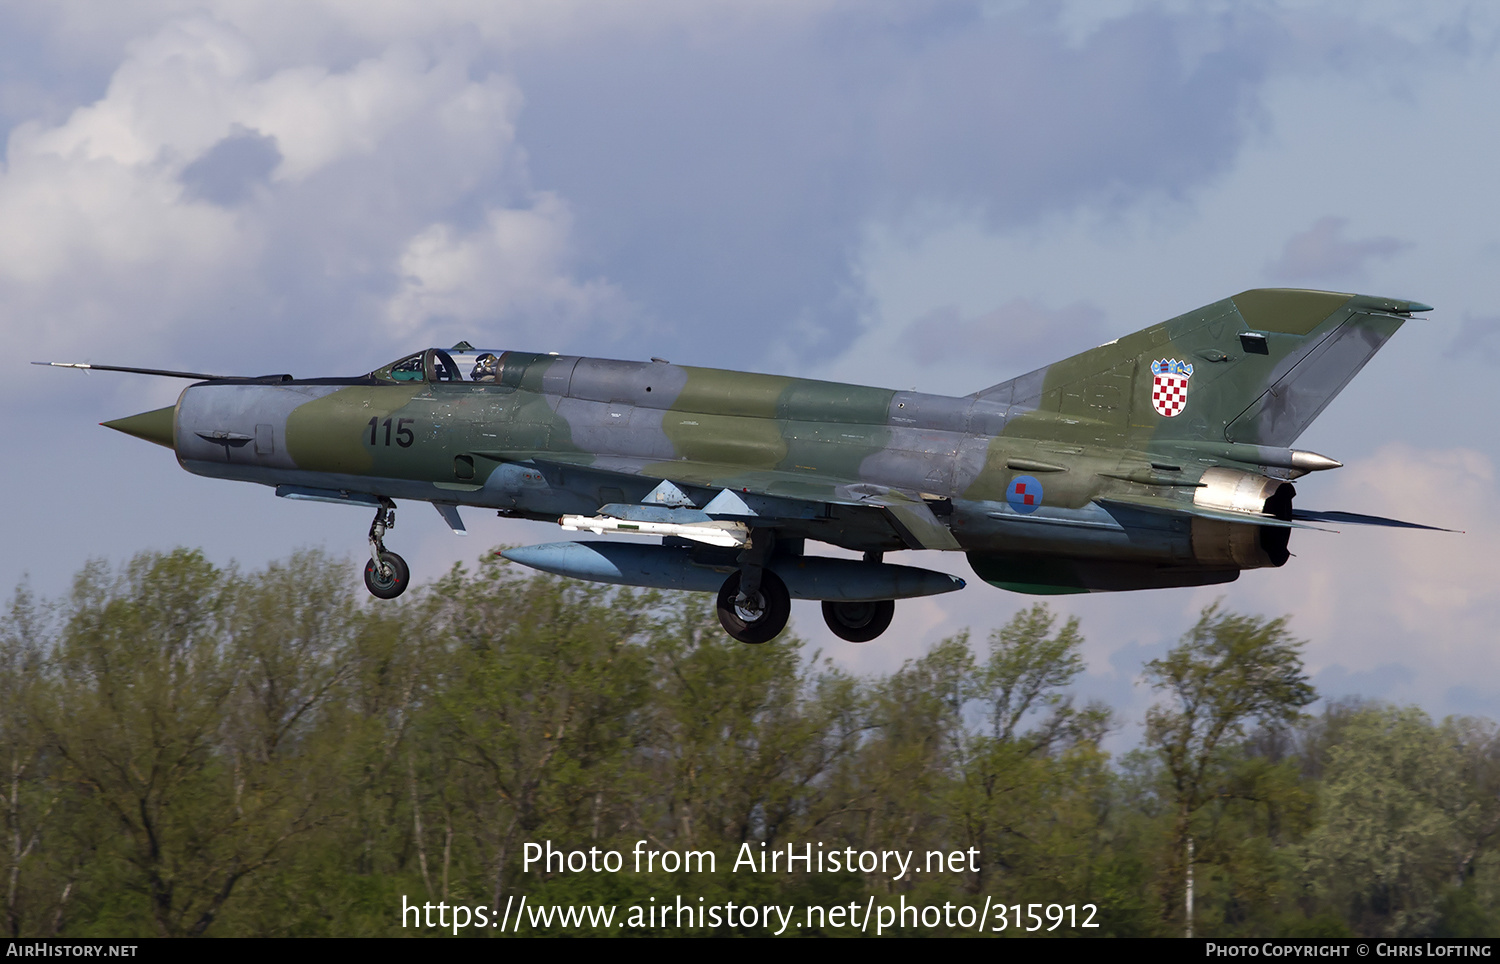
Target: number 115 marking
pixel 404 436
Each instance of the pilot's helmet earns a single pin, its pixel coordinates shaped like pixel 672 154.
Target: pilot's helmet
pixel 485 366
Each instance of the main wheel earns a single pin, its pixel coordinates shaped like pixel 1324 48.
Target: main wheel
pixel 389 581
pixel 858 622
pixel 758 618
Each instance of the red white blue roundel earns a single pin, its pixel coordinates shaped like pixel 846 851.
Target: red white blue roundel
pixel 1169 383
pixel 1024 494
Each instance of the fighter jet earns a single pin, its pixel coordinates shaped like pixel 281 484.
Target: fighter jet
pixel 1163 458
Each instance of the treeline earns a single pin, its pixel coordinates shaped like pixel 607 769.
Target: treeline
pixel 193 750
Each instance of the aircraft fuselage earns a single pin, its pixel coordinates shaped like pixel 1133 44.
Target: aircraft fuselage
pixel 1162 458
pixel 563 434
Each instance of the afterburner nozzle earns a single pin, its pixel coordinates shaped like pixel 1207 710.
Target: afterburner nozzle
pixel 155 426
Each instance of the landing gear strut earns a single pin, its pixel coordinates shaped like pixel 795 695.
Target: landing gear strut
pixel 386 574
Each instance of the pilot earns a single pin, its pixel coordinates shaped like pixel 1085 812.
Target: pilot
pixel 486 368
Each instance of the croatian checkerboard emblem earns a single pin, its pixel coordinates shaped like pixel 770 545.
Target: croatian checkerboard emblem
pixel 1169 380
pixel 1024 494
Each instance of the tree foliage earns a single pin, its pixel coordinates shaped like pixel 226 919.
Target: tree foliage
pixel 1229 672
pixel 188 749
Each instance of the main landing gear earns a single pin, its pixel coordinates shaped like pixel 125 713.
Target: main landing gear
pixel 754 603
pixel 759 615
pixel 386 574
pixel 858 622
pixel 755 615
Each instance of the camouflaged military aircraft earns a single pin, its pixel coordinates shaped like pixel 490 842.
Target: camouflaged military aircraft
pixel 1159 459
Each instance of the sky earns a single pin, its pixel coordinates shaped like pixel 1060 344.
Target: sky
pixel 929 195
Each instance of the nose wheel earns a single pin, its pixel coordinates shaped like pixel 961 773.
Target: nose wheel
pixel 387 580
pixel 386 574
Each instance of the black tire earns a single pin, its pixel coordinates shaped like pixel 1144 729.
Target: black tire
pixel 387 585
pixel 755 624
pixel 859 622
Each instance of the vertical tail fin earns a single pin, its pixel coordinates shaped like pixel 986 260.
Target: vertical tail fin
pixel 1256 368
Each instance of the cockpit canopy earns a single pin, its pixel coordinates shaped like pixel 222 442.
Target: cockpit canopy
pixel 462 363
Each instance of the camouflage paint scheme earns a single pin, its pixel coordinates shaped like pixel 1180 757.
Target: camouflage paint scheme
pixel 1122 496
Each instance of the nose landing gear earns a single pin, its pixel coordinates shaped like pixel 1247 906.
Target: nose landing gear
pixel 386 574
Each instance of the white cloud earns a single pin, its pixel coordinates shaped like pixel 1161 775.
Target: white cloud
pixel 173 96
pixel 202 177
pixel 508 271
pixel 1370 597
pixel 1018 329
pixel 1323 254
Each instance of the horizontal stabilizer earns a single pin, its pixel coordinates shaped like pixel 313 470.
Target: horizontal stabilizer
pixel 1356 519
pixel 1187 510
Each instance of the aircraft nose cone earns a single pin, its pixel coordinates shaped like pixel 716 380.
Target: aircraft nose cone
pixel 154 426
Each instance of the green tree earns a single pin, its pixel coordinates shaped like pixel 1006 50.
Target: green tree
pixel 1026 678
pixel 186 749
pixel 911 761
pixel 1029 794
pixel 1228 673
pixel 534 712
pixel 1400 824
pixel 30 803
pixel 167 718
